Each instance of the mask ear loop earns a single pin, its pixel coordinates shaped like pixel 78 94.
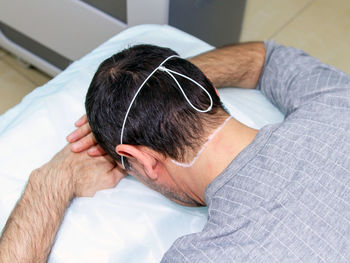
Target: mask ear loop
pixel 170 72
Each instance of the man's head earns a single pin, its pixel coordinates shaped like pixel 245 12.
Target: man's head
pixel 160 121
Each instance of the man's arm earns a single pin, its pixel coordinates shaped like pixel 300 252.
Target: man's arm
pixel 32 226
pixel 233 66
pixel 293 79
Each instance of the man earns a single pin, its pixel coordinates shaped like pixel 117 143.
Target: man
pixel 277 195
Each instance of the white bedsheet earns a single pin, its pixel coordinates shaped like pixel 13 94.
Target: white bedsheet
pixel 129 223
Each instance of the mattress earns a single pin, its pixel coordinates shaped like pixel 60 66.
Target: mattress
pixel 129 223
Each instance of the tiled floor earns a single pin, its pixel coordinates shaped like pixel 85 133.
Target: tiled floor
pixel 320 27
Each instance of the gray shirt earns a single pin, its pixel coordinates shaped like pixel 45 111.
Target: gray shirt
pixel 286 196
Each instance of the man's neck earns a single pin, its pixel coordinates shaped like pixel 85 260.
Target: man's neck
pixel 217 155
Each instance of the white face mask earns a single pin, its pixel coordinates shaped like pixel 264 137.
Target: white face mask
pixel 170 73
pixel 211 137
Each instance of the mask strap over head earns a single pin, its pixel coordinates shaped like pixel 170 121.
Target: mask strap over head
pixel 171 73
pixel 210 138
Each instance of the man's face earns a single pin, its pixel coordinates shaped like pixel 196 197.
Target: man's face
pixel 166 186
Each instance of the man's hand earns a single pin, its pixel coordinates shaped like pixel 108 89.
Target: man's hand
pixel 31 228
pixel 82 139
pixel 84 173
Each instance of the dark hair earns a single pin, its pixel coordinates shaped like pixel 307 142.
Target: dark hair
pixel 160 117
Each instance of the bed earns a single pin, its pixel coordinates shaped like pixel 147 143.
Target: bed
pixel 129 223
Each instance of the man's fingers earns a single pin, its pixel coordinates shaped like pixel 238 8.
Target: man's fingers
pixel 96 151
pixel 79 133
pixel 83 119
pixel 84 143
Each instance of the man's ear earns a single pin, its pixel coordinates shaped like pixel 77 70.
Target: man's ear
pixel 144 157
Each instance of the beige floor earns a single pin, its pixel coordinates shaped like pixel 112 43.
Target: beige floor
pixel 16 80
pixel 321 27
